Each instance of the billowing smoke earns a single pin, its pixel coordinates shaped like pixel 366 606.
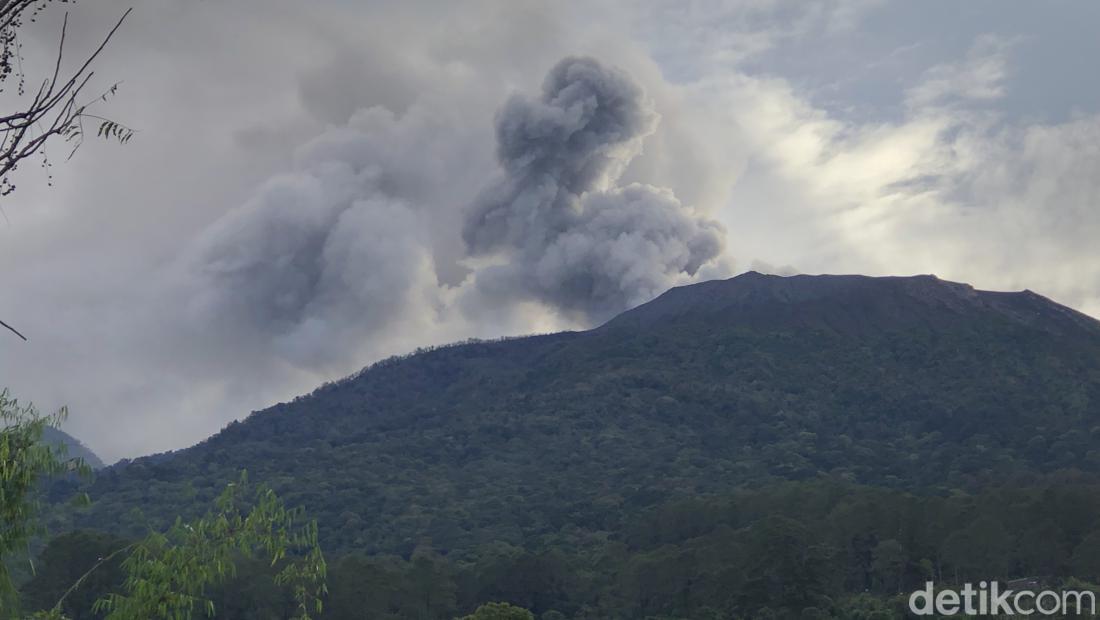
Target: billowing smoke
pixel 334 260
pixel 566 234
pixel 319 258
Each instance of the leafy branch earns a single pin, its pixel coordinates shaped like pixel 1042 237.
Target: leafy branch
pixel 24 461
pixel 169 573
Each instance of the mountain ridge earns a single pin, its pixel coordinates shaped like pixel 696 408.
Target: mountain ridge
pixel 909 383
pixel 74 448
pixel 753 289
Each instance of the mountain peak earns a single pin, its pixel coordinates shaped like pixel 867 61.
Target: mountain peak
pixel 912 382
pixel 74 448
pixel 849 303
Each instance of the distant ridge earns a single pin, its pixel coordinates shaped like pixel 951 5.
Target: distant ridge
pixel 73 447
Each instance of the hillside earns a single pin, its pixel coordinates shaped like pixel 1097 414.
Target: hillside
pixel 73 447
pixel 914 384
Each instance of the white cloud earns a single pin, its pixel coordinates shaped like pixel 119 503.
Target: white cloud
pixel 978 77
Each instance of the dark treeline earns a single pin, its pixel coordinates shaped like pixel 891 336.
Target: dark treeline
pixel 813 549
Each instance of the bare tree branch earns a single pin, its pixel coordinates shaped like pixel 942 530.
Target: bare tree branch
pixel 13 330
pixel 56 108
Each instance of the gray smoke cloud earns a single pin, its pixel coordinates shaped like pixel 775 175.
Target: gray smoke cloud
pixel 343 250
pixel 565 233
pixel 321 257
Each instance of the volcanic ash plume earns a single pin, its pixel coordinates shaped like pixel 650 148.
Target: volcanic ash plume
pixel 563 231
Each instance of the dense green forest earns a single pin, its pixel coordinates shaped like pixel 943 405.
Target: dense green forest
pixel 796 446
pixel 813 549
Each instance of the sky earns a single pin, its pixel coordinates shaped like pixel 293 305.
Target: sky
pixel 315 186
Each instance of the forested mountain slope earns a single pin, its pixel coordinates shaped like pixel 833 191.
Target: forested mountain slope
pixel 911 383
pixel 73 447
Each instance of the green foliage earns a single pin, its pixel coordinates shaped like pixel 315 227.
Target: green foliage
pixel 821 548
pixel 169 574
pixel 25 460
pixel 500 611
pixel 72 571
